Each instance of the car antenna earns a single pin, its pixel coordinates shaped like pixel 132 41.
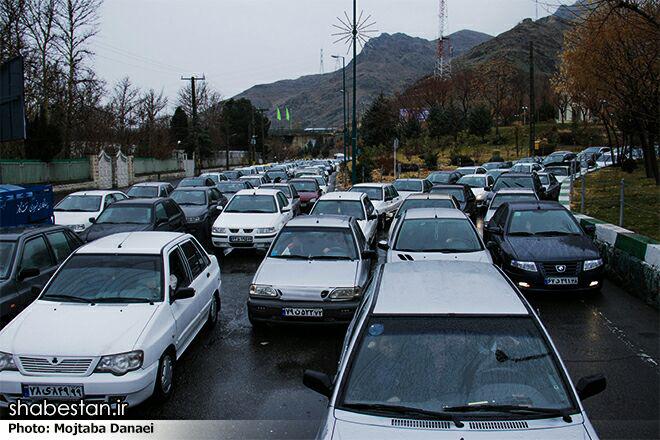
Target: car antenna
pixel 122 242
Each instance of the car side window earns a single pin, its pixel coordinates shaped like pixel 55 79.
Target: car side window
pixel 369 206
pixel 36 254
pixel 60 245
pixel 196 261
pixel 171 209
pixel 119 196
pixel 178 268
pixel 283 200
pixel 362 241
pixel 109 200
pixel 294 192
pixel 387 194
pixel 160 212
pixel 215 195
pixel 395 193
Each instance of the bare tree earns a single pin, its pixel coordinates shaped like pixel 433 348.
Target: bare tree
pixel 153 124
pixel 12 32
pixel 123 105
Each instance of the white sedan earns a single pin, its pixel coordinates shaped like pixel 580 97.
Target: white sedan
pixel 112 322
pixel 76 210
pixel 251 219
pixel 480 184
pixel 350 204
pixel 384 196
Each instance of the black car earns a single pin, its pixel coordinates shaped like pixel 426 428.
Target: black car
pixel 28 257
pixel 192 182
pixel 232 187
pixel 551 186
pixel 233 174
pixel 464 195
pixel 517 181
pixel 201 207
pixel 443 177
pixel 137 215
pixel 560 158
pixel 541 247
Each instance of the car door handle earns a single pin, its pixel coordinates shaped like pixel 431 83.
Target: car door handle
pixel 208 274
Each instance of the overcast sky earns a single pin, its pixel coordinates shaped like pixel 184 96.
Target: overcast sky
pixel 240 43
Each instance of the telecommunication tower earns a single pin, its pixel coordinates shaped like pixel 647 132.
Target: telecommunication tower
pixel 442 63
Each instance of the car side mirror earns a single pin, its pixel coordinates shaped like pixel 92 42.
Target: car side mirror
pixel 183 293
pixel 92 220
pixel 496 230
pixel 372 217
pixel 28 272
pixel 590 386
pixel 368 254
pixel 590 229
pixel 286 208
pixel 491 246
pixel 296 196
pixel 220 208
pixel 319 382
pixel 35 290
pixel 382 244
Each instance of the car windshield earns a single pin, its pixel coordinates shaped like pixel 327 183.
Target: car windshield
pixel 275 174
pixel 252 204
pixel 436 363
pixel 466 170
pixel 543 222
pixel 107 278
pixel 6 256
pixel 408 185
pixel 350 208
pixel 500 199
pixel 424 203
pixel 192 182
pixel 437 235
pixel 143 192
pixel 232 175
pixel 315 243
pixel 544 179
pixel 591 150
pixel 230 187
pixel 473 181
pixel 513 182
pixel 125 214
pixel 302 186
pixel 213 177
pixel 492 165
pixel 495 173
pixel 79 203
pixel 558 171
pixel 456 192
pixel 189 197
pixel 374 192
pixel 439 177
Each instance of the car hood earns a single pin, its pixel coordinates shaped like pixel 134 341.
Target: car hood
pixel 73 218
pixel 307 196
pixel 249 221
pixel 563 248
pixel 66 329
pixel 404 194
pixel 308 273
pixel 478 191
pixel 97 231
pixel 194 210
pixel 479 257
pixel 489 215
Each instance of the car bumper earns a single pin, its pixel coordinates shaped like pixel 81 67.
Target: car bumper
pixel 258 242
pixel 271 310
pixel 535 281
pixel 197 229
pixel 132 388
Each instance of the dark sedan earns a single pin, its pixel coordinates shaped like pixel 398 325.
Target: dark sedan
pixel 191 182
pixel 201 207
pixel 232 187
pixel 464 195
pixel 443 177
pixel 137 215
pixel 541 247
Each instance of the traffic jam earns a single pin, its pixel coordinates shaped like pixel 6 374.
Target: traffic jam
pixel 426 278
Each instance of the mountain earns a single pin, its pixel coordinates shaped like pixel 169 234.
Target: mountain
pixel 388 63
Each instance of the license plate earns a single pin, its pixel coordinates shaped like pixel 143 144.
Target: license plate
pixel 53 391
pixel 562 281
pixel 302 313
pixel 240 239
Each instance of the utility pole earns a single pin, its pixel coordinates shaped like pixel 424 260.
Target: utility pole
pixel 354 127
pixel 344 102
pixel 193 80
pixel 263 134
pixel 532 101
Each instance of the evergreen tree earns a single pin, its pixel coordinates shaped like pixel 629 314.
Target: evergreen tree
pixel 379 123
pixel 179 129
pixel 480 121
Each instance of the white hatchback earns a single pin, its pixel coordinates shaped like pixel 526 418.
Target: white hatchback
pixel 77 209
pixel 356 205
pixel 112 321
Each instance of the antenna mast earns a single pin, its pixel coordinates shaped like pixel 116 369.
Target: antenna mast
pixel 442 63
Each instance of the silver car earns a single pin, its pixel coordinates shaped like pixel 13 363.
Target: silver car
pixel 313 272
pixel 290 193
pixel 450 350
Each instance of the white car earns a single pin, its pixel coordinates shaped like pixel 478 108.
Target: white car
pixel 424 201
pixel 76 210
pixel 351 204
pixel 251 219
pixel 150 190
pixel 255 180
pixel 407 187
pixel 435 234
pixel 561 173
pixel 480 184
pixel 384 196
pixel 495 372
pixel 112 322
pixel 508 195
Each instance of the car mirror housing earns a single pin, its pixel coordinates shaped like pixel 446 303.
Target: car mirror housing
pixel 383 245
pixel 590 229
pixel 372 217
pixel 92 220
pixel 319 382
pixel 28 272
pixel 368 254
pixel 183 293
pixel 497 230
pixel 36 289
pixel 590 386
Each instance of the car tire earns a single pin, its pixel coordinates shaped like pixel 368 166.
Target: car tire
pixel 214 312
pixel 164 386
pixel 256 325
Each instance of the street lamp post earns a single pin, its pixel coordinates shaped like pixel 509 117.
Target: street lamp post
pixel 343 91
pixel 354 126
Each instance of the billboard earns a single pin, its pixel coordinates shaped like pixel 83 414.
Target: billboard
pixel 12 102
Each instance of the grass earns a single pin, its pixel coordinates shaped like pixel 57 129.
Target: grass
pixel 641 195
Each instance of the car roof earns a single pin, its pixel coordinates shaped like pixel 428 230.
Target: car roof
pixel 94 192
pixel 409 179
pixel 139 201
pixel 421 213
pixel 475 175
pixel 150 242
pixel 446 287
pixel 151 184
pixel 517 175
pixel 258 192
pixel 328 221
pixel 429 196
pixel 515 191
pixel 194 188
pixel 343 195
pixel 371 185
pixel 536 205
pixel 15 232
pixel 449 186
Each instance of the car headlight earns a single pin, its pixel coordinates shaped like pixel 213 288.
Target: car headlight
pixel 267 291
pixel 344 293
pixel 77 228
pixel 122 363
pixel 218 230
pixel 7 361
pixel 529 266
pixel 312 201
pixel 264 230
pixel 592 264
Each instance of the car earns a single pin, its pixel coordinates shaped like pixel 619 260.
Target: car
pixel 605 159
pixel 406 187
pixel 112 322
pixel 589 155
pixel 201 206
pixel 308 190
pixel 137 215
pixel 501 165
pixel 233 174
pixel 331 260
pixel 435 234
pixel 551 186
pixel 290 193
pixel 255 180
pixel 277 175
pixel 534 159
pixel 464 195
pixel 443 177
pixel 77 208
pixel 29 255
pixel 495 371
pixel 559 158
pixel 323 183
pixel 150 190
pixel 216 177
pixel 509 195
pixel 247 171
pixel 541 247
pixel 463 171
pixel 517 181
pixel 384 196
pixel 497 173
pixel 526 168
pixel 560 172
pixel 351 204
pixel 192 182
pixel 480 185
pixel 424 201
pixel 251 219
pixel 233 186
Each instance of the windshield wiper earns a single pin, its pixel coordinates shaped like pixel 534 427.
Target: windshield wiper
pixel 119 299
pixel 65 298
pixel 405 411
pixel 330 257
pixel 291 257
pixel 522 234
pixel 512 409
pixel 551 233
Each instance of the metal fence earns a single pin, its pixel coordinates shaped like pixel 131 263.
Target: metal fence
pixel 143 165
pixel 22 172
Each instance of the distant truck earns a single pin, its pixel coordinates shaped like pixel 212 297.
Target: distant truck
pixel 26 205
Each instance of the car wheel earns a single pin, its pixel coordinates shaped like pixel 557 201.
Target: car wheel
pixel 165 377
pixel 256 325
pixel 214 312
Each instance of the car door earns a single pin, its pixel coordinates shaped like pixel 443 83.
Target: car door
pixel 396 198
pixel 176 219
pixel 35 254
pixel 372 225
pixel 295 200
pixel 284 204
pixel 202 279
pixel 554 187
pixel 214 201
pixel 161 222
pixel 183 310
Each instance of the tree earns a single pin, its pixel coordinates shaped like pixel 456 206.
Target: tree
pixel 12 28
pixel 379 123
pixel 123 105
pixel 152 126
pixel 480 121
pixel 495 85
pixel 179 129
pixel 44 139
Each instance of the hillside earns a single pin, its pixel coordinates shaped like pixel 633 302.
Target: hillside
pixel 387 64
